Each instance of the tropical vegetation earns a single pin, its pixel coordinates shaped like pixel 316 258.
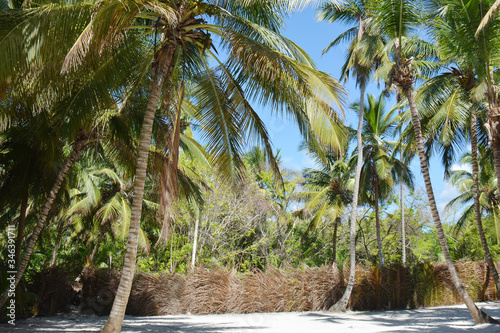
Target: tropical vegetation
pixel 132 140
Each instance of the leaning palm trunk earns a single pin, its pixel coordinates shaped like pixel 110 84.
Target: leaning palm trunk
pixel 403 77
pixel 21 225
pixel 162 70
pixel 477 206
pixel 60 230
pixel 73 156
pixel 341 305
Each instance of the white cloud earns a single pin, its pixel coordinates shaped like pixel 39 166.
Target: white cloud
pixel 466 167
pixel 448 193
pixel 441 206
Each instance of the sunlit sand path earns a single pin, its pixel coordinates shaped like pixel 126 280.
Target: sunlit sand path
pixel 439 319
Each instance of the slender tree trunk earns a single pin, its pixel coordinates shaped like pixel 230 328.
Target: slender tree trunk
pixel 90 260
pixel 403 224
pixel 402 196
pixel 20 226
pixel 162 70
pixel 495 211
pixel 377 224
pixel 493 124
pixel 73 156
pixel 341 305
pixel 195 241
pixel 477 205
pixel 56 245
pixel 334 241
pixel 496 152
pixel 96 247
pixel 479 316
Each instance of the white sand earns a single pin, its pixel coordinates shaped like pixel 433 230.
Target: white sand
pixel 441 319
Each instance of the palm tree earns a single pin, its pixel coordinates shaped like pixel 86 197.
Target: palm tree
pixel 327 191
pixel 454 94
pixel 276 65
pixel 486 31
pixel 77 147
pixel 488 17
pixel 381 170
pixel 277 186
pixel 259 59
pixel 396 19
pixel 361 61
pixel 62 104
pixel 453 115
pixel 25 174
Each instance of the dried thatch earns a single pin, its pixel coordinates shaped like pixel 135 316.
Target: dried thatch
pixel 210 291
pixel 306 289
pixel 152 294
pixel 99 290
pixel 54 291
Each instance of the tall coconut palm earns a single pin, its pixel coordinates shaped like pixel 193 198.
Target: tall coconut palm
pixel 454 90
pixel 381 170
pixel 361 61
pixel 271 68
pixel 64 103
pixel 487 33
pixel 259 59
pixel 77 147
pixel 327 191
pixel 397 19
pixel 453 115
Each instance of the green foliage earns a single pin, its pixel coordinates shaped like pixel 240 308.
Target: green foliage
pixel 268 216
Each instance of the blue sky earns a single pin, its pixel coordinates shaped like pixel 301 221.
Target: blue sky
pixel 313 37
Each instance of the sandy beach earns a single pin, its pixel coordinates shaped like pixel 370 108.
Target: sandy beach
pixel 440 319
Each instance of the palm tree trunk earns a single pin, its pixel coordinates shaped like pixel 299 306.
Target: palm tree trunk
pixel 90 260
pixel 20 226
pixel 334 241
pixel 341 305
pixel 402 196
pixel 493 124
pixel 479 316
pixel 162 70
pixel 377 224
pixel 495 211
pixel 403 224
pixel 96 247
pixel 56 245
pixel 477 206
pixel 496 153
pixel 73 156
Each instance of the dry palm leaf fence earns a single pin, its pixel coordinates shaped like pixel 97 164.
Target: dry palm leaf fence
pixel 207 291
pixel 306 289
pixel 45 293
